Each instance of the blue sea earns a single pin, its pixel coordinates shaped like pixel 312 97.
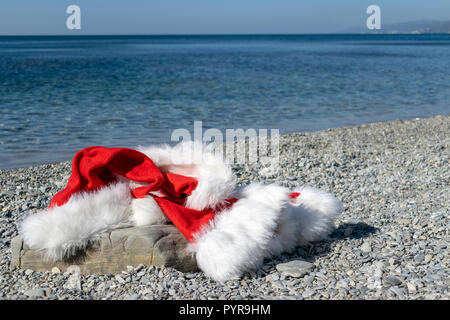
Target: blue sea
pixel 59 94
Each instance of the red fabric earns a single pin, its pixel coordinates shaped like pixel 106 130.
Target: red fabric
pixel 294 195
pixel 95 167
pixel 189 221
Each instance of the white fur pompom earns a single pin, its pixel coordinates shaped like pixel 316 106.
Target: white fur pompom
pixel 316 211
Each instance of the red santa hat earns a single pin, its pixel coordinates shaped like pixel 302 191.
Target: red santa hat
pixel 230 230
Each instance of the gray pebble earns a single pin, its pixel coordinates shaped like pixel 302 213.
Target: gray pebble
pixel 295 268
pixel 35 293
pixel 419 258
pixel 366 247
pixel 392 281
pixel 133 296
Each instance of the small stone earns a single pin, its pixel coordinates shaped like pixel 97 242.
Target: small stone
pixel 419 258
pixel 145 280
pixel 35 293
pixel 272 277
pixel 295 268
pixel 397 291
pixel 28 272
pixel 348 231
pixel 56 270
pixel 307 293
pixel 133 296
pixel 308 280
pixel 393 281
pixel 436 215
pixel 428 258
pixel 73 269
pixel 74 282
pixel 120 279
pixel 366 247
pixel 90 283
pixel 141 273
pixel 403 221
pixel 277 284
pixel 393 261
pixel 411 287
pixel 342 284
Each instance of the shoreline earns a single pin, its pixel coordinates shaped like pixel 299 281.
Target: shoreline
pixel 389 243
pixel 283 134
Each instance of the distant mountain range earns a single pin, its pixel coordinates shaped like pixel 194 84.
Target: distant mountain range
pixel 413 27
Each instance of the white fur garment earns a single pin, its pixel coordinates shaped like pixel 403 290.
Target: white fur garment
pixel 264 222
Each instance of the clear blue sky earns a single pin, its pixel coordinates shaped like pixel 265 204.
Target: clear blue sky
pixel 42 17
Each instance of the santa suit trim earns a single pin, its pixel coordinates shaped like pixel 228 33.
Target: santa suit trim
pixel 267 220
pixel 216 181
pixel 60 231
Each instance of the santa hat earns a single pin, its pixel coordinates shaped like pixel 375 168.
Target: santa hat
pixel 230 230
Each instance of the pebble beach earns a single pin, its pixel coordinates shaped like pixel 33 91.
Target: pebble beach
pixel 391 241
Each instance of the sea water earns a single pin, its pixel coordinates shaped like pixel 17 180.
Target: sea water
pixel 59 94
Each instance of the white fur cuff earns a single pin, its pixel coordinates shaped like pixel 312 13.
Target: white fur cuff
pixel 237 239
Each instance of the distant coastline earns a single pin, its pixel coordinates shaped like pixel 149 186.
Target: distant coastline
pixel 410 27
pixel 351 32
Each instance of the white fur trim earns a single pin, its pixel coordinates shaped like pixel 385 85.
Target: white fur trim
pixel 263 223
pixel 146 211
pixel 216 181
pixel 237 240
pixel 61 231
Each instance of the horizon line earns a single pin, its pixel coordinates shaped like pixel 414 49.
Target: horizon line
pixel 215 34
